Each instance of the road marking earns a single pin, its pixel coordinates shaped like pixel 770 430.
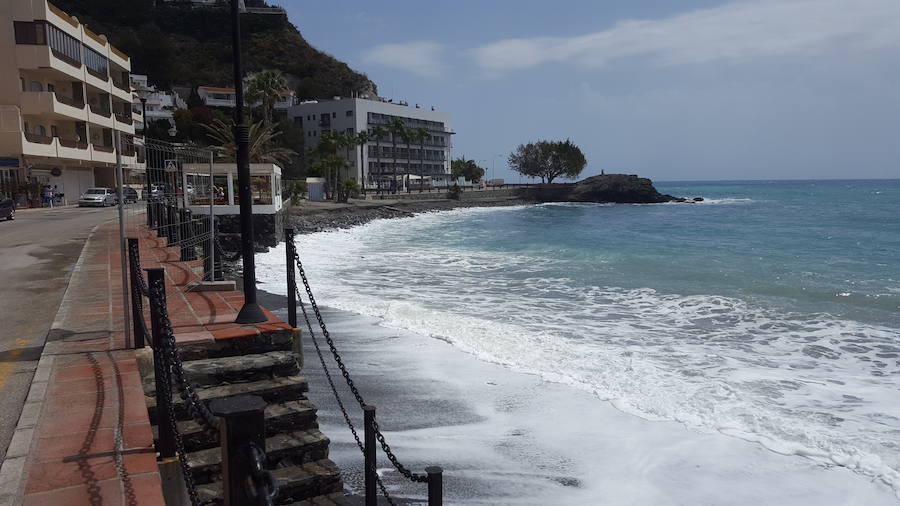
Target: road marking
pixel 8 366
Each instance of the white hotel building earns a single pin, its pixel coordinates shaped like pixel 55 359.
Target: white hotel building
pixel 354 115
pixel 64 91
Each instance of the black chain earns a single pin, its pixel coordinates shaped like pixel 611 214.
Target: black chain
pixel 197 408
pixel 262 484
pixel 415 477
pixel 142 286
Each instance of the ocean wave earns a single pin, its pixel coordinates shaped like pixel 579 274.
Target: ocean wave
pixel 802 384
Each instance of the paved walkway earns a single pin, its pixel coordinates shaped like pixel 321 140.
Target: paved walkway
pixel 84 436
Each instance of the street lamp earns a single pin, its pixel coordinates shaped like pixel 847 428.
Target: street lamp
pixel 250 312
pixel 143 94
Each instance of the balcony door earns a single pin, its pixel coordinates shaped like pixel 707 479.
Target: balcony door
pixel 78 94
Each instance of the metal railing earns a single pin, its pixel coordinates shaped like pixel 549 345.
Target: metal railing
pixel 372 433
pixel 238 421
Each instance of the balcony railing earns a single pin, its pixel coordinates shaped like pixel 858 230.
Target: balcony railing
pixel 60 55
pixel 71 102
pixel 72 143
pixel 105 149
pixel 122 85
pixel 37 138
pixel 96 109
pixel 98 74
pixel 124 119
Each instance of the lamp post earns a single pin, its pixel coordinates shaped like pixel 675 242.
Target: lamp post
pixel 143 94
pixel 250 312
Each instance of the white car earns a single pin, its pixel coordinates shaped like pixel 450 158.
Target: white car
pixel 97 197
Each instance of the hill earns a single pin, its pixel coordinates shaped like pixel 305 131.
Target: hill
pixel 176 45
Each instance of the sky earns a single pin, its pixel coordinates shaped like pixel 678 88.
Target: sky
pixel 671 90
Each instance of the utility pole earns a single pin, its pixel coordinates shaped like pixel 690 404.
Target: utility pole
pixel 251 312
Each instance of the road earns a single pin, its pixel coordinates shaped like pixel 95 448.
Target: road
pixel 37 252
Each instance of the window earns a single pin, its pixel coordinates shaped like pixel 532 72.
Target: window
pixel 34 33
pixel 349 113
pixel 298 120
pixel 349 130
pixel 64 46
pixel 314 116
pixel 334 115
pixel 96 63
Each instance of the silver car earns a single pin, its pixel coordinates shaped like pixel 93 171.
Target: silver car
pixel 97 197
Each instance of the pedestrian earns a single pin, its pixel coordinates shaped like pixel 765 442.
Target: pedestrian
pixel 47 195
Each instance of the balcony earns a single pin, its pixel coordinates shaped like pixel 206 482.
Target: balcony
pixel 105 149
pixel 43 103
pixel 38 139
pixel 72 143
pixel 42 57
pixel 123 118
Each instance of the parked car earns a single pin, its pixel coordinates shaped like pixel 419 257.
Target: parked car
pixel 161 191
pixel 97 197
pixel 7 208
pixel 131 195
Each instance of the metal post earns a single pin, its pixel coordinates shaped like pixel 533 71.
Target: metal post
pixel 137 301
pixel 369 455
pixel 209 249
pixel 187 235
pixel 243 425
pixel 250 312
pixel 212 237
pixel 174 232
pixel 290 248
pixel 161 366
pixel 120 179
pixel 435 485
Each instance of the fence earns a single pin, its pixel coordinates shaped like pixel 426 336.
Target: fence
pixel 433 475
pixel 238 422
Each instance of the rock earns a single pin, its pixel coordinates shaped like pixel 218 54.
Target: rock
pixel 615 188
pixel 698 199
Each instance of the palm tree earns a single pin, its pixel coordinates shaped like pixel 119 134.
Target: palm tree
pixel 422 135
pixel 266 87
pixel 408 136
pixel 261 147
pixel 396 128
pixel 378 133
pixel 328 146
pixel 362 139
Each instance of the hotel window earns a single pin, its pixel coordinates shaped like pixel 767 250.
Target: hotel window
pixel 334 115
pixel 30 32
pixel 349 130
pixel 96 63
pixel 349 113
pixel 64 46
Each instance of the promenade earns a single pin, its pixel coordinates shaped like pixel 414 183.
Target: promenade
pixel 84 436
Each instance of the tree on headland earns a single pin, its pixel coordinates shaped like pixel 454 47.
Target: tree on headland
pixel 261 149
pixel 265 88
pixel 396 128
pixel 466 169
pixel 548 160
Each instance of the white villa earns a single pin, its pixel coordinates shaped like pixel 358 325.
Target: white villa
pixel 225 97
pixel 160 104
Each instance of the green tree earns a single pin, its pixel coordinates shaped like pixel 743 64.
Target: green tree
pixel 265 88
pixel 421 135
pixel 396 128
pixel 466 169
pixel 548 160
pixel 408 136
pixel 261 148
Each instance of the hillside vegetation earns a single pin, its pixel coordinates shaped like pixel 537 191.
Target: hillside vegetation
pixel 183 46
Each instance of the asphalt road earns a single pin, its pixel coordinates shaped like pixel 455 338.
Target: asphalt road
pixel 37 252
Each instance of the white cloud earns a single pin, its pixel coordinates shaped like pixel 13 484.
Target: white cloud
pixel 421 57
pixel 735 31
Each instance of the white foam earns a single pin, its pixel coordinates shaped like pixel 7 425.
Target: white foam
pixel 715 364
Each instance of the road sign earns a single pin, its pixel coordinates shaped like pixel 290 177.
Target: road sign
pixel 171 165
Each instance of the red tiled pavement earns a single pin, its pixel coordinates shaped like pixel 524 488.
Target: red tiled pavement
pixel 94 396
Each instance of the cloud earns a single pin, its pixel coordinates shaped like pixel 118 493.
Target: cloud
pixel 423 58
pixel 732 32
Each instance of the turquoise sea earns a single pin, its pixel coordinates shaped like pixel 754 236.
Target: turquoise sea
pixel 769 312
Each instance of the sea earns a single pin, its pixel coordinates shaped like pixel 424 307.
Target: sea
pixel 767 315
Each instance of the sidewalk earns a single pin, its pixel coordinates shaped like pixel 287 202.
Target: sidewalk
pixel 84 436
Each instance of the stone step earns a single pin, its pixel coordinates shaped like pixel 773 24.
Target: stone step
pixel 282 450
pixel 274 390
pixel 284 417
pixel 276 339
pixel 320 478
pixel 230 370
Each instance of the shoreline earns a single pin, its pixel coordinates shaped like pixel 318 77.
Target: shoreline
pixel 310 217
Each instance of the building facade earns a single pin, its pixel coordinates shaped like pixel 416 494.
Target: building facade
pixel 415 162
pixel 225 97
pixel 160 104
pixel 64 93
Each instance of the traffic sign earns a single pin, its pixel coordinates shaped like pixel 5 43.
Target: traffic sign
pixel 171 165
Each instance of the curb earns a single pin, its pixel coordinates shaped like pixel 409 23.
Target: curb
pixel 13 468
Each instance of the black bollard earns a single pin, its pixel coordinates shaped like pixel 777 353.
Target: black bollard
pixel 290 250
pixel 243 426
pixel 435 485
pixel 188 251
pixel 369 455
pixel 161 366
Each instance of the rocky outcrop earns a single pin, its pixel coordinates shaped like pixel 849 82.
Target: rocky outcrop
pixel 615 188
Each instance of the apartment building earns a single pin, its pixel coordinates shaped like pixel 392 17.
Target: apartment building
pixel 428 159
pixel 64 92
pixel 160 104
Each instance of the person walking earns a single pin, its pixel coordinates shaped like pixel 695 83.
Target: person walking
pixel 47 195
